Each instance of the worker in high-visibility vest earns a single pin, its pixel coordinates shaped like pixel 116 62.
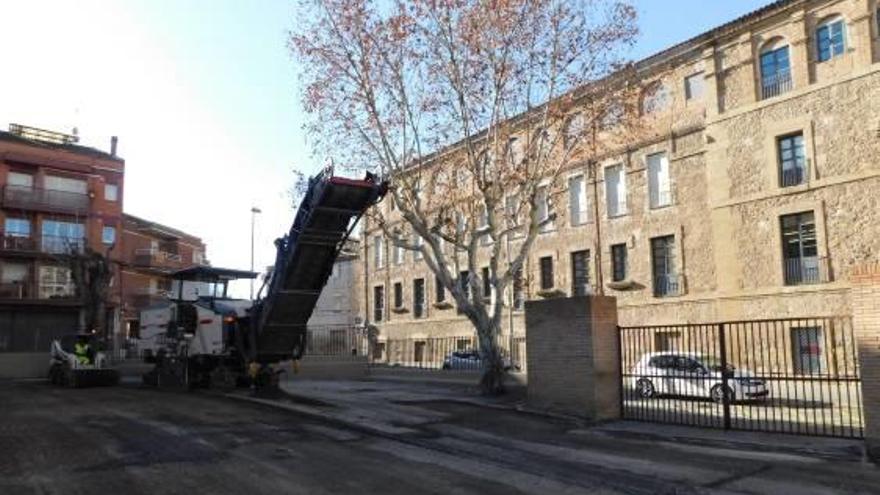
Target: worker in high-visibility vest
pixel 81 350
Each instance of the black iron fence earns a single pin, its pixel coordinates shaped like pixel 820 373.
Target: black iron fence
pixel 447 353
pixel 798 375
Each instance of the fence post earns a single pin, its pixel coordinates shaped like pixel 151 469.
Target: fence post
pixel 620 369
pixel 722 346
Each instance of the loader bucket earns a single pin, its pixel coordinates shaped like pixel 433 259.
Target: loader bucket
pixel 93 378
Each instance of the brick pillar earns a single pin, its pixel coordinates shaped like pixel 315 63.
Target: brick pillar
pixel 573 356
pixel 866 322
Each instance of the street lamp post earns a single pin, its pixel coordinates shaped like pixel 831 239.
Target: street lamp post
pixel 254 211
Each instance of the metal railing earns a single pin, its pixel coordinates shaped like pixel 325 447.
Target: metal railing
pixel 62 245
pixel 337 341
pixel 15 290
pixel 17 243
pixel 776 84
pixel 805 270
pixel 45 199
pixel 669 284
pixel 794 176
pixel 453 353
pixel 156 257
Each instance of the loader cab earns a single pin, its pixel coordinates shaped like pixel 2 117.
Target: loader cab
pixel 205 283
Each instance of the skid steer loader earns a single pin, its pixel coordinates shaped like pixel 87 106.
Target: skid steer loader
pixel 89 369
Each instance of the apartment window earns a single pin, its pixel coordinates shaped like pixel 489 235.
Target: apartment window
pixel 20 180
pixel 17 227
pixel 378 303
pixel 775 72
pixel 806 350
pixel 439 290
pixel 615 190
pixel 13 277
pixel 800 259
pixel 398 295
pixel 543 203
pixel 198 257
pixel 618 262
pixel 63 237
pixel 830 39
pixel 518 290
pixel 656 98
pixel 511 207
pixel 574 129
pixel 378 252
pixel 55 281
pixel 694 86
pixel 397 249
pixel 417 254
pixel 659 184
pixel 111 192
pixel 666 281
pixel 66 184
pixel 487 283
pixel 792 160
pixel 580 273
pixel 419 297
pixel 108 235
pixel 613 116
pixel 546 267
pixel 577 200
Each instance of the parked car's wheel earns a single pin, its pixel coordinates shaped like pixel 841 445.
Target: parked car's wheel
pixel 645 388
pixel 719 391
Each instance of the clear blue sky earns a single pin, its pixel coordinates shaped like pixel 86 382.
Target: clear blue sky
pixel 203 96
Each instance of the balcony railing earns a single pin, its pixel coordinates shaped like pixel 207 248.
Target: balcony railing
pixel 776 84
pixel 34 198
pixel 62 245
pixel 805 270
pixel 157 258
pixel 17 290
pixel 669 284
pixel 794 176
pixel 17 243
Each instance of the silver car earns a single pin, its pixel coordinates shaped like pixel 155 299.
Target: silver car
pixel 693 375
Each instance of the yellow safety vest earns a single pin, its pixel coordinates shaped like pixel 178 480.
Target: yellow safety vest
pixel 82 353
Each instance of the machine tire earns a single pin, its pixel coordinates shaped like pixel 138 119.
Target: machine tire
pixel 719 391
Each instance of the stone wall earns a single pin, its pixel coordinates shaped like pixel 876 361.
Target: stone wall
pixel 573 356
pixel 866 322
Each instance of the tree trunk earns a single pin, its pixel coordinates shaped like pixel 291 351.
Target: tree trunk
pixel 492 379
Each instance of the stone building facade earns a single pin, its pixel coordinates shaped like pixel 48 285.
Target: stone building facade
pixel 752 194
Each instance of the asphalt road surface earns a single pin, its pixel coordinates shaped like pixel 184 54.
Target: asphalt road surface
pixel 130 440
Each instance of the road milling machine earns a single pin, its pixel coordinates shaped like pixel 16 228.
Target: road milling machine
pixel 201 337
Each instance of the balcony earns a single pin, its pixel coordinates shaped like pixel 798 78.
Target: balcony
pixel 62 245
pixel 793 176
pixel 17 243
pixel 155 258
pixel 17 290
pixel 806 270
pixel 776 84
pixel 50 200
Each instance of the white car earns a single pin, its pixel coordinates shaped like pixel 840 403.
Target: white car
pixel 693 375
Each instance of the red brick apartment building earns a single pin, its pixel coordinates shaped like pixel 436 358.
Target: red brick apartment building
pixel 150 253
pixel 57 196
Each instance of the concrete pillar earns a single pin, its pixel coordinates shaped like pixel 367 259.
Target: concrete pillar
pixel 866 323
pixel 573 356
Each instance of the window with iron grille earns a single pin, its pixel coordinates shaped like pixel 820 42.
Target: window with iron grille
pixel 618 262
pixel 775 72
pixel 398 295
pixel 830 40
pixel 546 266
pixel 800 257
pixel 439 290
pixel 663 262
pixel 792 160
pixel 580 273
pixel 487 285
pixel 419 297
pixel 378 303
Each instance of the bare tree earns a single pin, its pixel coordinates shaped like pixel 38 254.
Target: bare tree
pixel 473 110
pixel 91 273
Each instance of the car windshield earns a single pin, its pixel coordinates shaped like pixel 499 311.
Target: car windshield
pixel 714 363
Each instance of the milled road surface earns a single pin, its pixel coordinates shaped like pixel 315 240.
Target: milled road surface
pixel 131 440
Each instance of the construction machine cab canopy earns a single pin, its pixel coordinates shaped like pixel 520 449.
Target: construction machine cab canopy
pixel 206 281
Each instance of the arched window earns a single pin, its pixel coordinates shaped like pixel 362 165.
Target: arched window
pixel 775 68
pixel 830 38
pixel 655 98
